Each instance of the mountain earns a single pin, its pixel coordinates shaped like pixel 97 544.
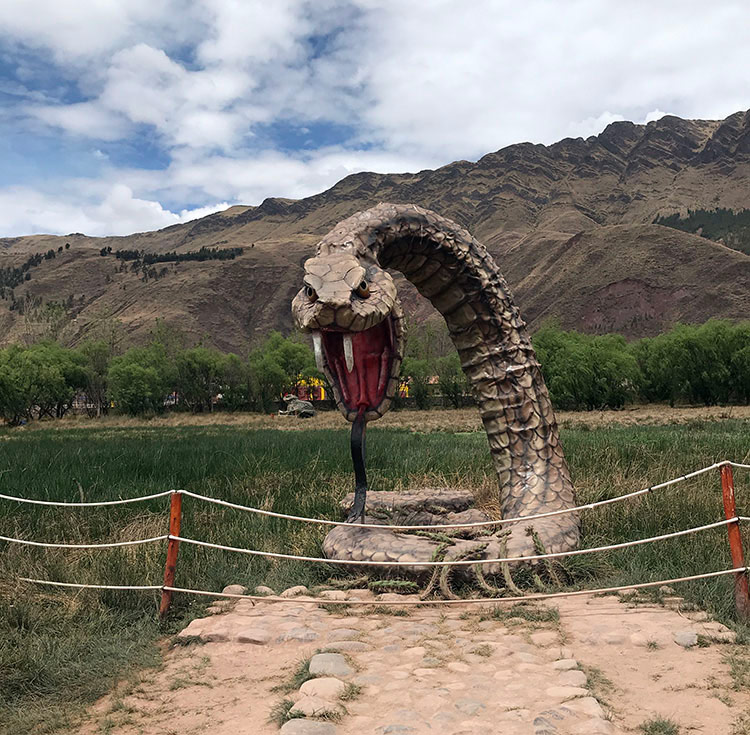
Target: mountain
pixel 570 225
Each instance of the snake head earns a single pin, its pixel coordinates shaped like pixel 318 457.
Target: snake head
pixel 350 306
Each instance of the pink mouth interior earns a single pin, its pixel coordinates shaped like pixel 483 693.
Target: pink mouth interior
pixel 365 386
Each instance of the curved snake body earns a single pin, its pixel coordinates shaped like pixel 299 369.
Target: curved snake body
pixel 349 302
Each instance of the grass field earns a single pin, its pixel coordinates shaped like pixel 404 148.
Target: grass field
pixel 60 650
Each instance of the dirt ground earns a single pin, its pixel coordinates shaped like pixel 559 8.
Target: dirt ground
pixel 608 665
pixel 454 420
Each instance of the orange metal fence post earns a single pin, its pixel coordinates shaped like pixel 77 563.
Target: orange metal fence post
pixel 175 518
pixel 741 592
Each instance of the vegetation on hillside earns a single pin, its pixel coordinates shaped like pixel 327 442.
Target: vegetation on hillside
pixel 721 225
pixel 204 253
pixel 14 276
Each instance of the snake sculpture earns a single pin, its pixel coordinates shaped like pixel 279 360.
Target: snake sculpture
pixel 348 301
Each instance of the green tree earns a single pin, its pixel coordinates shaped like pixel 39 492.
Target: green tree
pixel 418 373
pixel 452 383
pixel 38 381
pixel 13 407
pixel 294 357
pixel 49 377
pixel 267 381
pixel 565 370
pixel 199 377
pixel 236 387
pixel 740 368
pixel 141 379
pixel 96 355
pixel 694 364
pixel 278 366
pixel 587 372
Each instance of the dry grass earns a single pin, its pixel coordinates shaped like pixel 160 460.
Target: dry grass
pixel 449 420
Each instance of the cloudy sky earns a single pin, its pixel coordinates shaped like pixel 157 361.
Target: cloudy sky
pixel 125 115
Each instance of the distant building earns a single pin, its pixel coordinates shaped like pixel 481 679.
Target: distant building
pixel 311 390
pixel 315 390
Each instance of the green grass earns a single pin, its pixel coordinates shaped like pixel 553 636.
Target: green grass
pixel 280 712
pixel 526 611
pixel 351 692
pixel 297 678
pixel 739 668
pixel 659 726
pixel 598 684
pixel 485 650
pixel 60 650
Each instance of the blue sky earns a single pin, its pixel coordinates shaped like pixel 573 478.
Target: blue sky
pixel 125 115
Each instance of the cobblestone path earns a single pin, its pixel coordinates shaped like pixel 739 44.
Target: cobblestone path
pixel 601 665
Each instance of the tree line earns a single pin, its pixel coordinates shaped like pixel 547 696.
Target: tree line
pixel 44 379
pixel 692 364
pixel 15 276
pixel 705 364
pixel 204 253
pixel 721 225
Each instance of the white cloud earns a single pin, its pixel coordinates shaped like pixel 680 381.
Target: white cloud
pixel 143 86
pixel 418 83
pixel 74 31
pixel 100 207
pixel 86 119
pixel 115 212
pixel 593 125
pixel 654 115
pixel 470 77
pixel 271 173
pixel 242 32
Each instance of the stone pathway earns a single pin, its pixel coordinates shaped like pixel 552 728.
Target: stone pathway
pixel 599 665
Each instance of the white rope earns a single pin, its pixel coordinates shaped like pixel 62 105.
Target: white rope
pixel 87 505
pixel 477 524
pixel 523 598
pixel 459 562
pixel 84 546
pixel 94 586
pixel 319 601
pixel 327 522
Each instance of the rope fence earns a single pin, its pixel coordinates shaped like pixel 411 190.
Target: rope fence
pixel 732 521
pixel 328 522
pixel 111 545
pixel 475 524
pixel 457 562
pixel 62 504
pixel 393 603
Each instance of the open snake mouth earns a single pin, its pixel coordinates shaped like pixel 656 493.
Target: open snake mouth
pixel 360 364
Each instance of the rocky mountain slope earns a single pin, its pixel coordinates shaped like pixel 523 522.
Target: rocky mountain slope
pixel 569 223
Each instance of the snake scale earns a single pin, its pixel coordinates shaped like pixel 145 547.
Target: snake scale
pixel 348 301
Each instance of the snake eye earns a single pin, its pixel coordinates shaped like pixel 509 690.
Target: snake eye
pixel 311 293
pixel 363 290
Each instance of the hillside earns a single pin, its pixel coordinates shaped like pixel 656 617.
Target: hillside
pixel 569 223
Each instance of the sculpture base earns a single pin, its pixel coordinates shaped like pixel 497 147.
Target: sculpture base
pixel 424 507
